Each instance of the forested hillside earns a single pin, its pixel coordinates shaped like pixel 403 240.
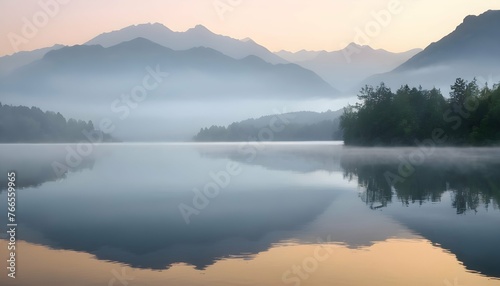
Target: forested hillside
pixel 470 116
pixel 293 126
pixel 21 124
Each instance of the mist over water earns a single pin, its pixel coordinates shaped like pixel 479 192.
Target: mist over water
pixel 130 196
pixel 160 118
pixel 281 193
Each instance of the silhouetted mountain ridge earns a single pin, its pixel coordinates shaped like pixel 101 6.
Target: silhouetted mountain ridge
pixel 471 50
pixel 345 68
pixel 195 72
pixel 476 39
pixel 199 36
pixel 17 60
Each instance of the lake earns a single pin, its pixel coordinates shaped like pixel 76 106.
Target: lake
pixel 252 214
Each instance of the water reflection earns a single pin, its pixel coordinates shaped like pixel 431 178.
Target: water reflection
pixel 472 176
pixel 385 263
pixel 125 209
pixel 463 179
pixel 35 164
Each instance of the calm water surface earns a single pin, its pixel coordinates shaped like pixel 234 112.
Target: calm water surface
pixel 253 214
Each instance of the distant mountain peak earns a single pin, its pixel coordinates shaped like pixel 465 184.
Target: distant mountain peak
pixel 199 29
pixel 486 17
pixel 145 27
pixel 310 51
pixel 487 13
pixel 185 40
pixel 357 46
pixel 470 50
pixel 253 59
pixel 138 42
pixel 352 45
pixel 248 40
pixel 475 39
pixel 151 24
pixel 157 24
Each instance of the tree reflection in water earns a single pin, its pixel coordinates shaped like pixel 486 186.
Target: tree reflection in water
pixel 470 183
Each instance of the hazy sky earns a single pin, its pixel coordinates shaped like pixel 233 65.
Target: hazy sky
pixel 276 24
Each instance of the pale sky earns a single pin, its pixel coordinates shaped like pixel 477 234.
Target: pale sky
pixel 276 24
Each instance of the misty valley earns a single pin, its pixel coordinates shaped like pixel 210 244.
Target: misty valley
pixel 147 155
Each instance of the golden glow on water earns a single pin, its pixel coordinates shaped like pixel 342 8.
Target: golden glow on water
pixel 391 262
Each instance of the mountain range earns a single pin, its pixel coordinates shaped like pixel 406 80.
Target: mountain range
pixel 345 68
pixel 95 71
pixel 199 36
pixel 17 60
pixel 471 50
pixel 202 64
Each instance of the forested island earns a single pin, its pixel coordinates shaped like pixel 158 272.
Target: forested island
pixel 22 124
pixel 470 116
pixel 293 126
